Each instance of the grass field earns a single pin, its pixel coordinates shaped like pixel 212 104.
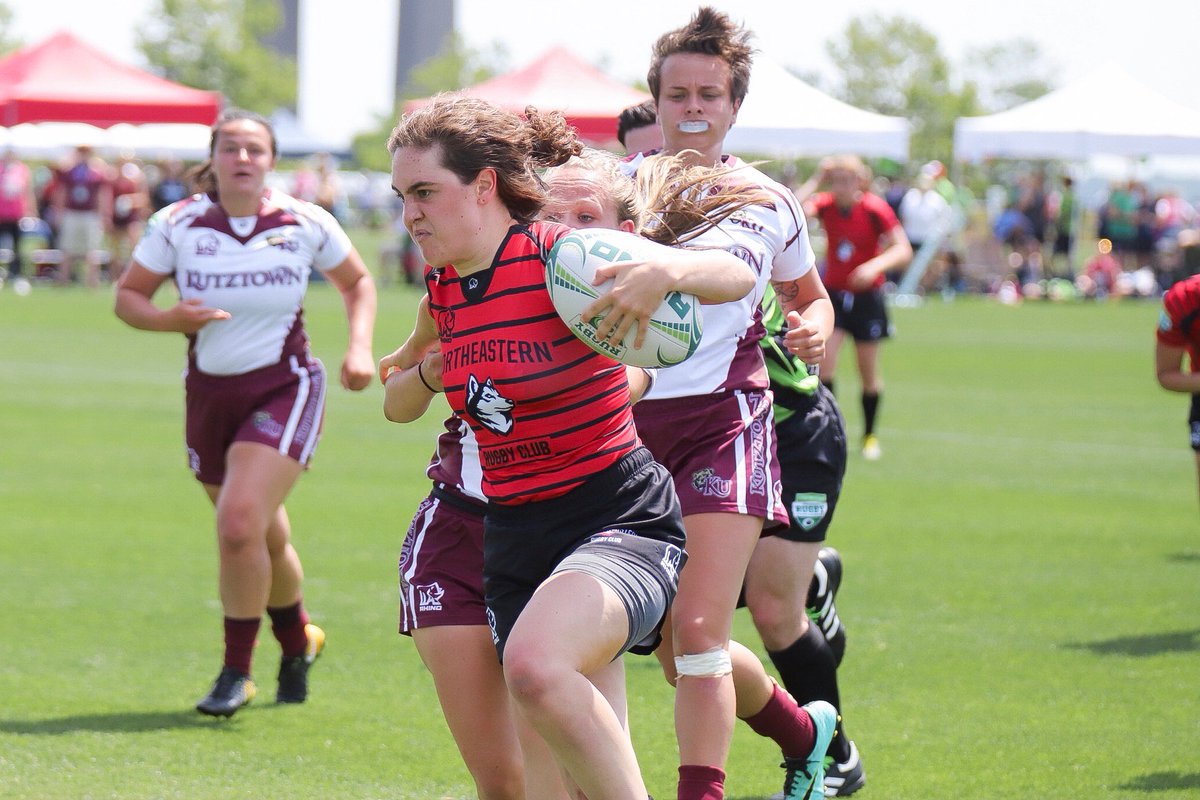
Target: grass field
pixel 1021 574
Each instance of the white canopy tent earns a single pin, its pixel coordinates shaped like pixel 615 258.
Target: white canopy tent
pixel 50 140
pixel 1106 113
pixel 187 141
pixel 294 139
pixel 53 140
pixel 784 116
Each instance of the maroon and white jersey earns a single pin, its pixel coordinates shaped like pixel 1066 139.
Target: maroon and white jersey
pixel 82 185
pixel 456 463
pixel 256 268
pixel 774 242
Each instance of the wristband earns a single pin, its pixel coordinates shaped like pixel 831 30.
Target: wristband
pixel 421 375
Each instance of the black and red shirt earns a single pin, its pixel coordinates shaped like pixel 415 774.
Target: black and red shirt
pixel 1179 322
pixel 547 410
pixel 852 234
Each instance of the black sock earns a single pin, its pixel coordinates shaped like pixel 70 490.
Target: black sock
pixel 809 672
pixel 828 384
pixel 870 405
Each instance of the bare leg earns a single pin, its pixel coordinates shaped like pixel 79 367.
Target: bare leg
pixel 777 588
pixel 832 348
pixel 719 548
pixel 572 627
pixel 248 506
pixel 476 705
pixel 1198 465
pixel 868 366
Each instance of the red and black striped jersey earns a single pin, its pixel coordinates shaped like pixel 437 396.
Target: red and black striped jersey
pixel 1179 322
pixel 548 411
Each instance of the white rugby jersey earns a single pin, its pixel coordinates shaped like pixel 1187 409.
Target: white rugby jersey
pixel 256 268
pixel 774 242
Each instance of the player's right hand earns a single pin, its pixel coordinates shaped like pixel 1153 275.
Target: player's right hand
pixel 189 316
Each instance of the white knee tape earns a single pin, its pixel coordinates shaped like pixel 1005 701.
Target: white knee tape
pixel 713 663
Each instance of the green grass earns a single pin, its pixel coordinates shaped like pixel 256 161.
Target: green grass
pixel 1021 571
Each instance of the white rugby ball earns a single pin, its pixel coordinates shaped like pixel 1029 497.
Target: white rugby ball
pixel 675 327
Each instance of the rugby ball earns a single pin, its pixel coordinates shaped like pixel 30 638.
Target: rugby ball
pixel 675 327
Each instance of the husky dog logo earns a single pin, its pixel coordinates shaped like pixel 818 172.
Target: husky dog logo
pixel 430 596
pixel 445 323
pixel 488 407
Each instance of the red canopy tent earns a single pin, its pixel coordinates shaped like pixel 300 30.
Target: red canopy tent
pixel 560 81
pixel 63 79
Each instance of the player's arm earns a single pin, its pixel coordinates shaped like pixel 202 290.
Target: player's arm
pixel 135 307
pixel 807 189
pixel 420 342
pixel 716 276
pixel 896 253
pixel 640 379
pixel 412 374
pixel 407 393
pixel 809 313
pixel 354 282
pixel 104 204
pixel 1168 364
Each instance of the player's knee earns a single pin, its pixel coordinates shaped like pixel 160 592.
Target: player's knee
pixel 238 528
pixel 773 617
pixel 696 633
pixel 530 675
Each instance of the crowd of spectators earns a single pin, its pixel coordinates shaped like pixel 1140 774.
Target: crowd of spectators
pixel 1038 236
pixel 1127 241
pixel 76 219
pixel 1034 235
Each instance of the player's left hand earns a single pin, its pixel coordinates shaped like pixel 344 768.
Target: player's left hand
pixel 638 290
pixel 861 278
pixel 804 338
pixel 358 368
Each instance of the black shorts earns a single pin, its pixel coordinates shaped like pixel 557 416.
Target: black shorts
pixel 623 526
pixel 1194 422
pixel 812 460
pixel 863 315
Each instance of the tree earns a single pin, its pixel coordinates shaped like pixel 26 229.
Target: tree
pixel 8 42
pixel 454 67
pixel 894 66
pixel 1008 74
pixel 216 45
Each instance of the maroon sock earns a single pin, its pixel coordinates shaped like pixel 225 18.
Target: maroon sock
pixel 287 624
pixel 698 782
pixel 786 723
pixel 239 642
